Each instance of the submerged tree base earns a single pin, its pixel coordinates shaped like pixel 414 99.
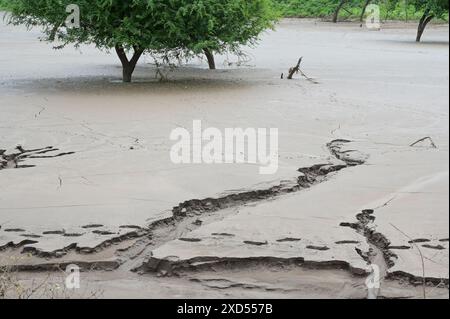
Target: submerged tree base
pixel 426 18
pixel 128 65
pixel 210 58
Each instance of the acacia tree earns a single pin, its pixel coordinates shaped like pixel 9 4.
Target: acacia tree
pixel 213 26
pixel 431 9
pixel 133 27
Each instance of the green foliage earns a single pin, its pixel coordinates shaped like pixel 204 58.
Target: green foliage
pixel 438 8
pixel 151 24
pixel 3 4
pixel 390 9
pixel 217 25
pixel 306 8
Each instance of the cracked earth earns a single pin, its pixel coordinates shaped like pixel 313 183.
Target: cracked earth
pixel 353 189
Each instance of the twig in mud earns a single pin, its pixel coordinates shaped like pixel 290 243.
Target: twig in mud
pixel 335 130
pixel 40 112
pixel 386 204
pixel 424 281
pixel 297 69
pixel 433 145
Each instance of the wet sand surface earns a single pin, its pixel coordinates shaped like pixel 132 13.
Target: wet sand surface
pixel 95 185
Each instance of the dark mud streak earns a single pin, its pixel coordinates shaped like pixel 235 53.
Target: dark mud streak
pixel 14 160
pixel 256 243
pixel 54 232
pixel 319 248
pixel 435 247
pixel 103 232
pixel 191 240
pixel 15 230
pixel 92 226
pixel 131 227
pixel 399 247
pixel 289 240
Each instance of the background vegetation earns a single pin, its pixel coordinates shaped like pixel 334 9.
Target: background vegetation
pixel 3 4
pixel 390 9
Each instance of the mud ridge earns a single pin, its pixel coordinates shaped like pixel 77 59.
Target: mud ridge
pixel 418 281
pixel 26 249
pixel 310 176
pixel 173 268
pixel 189 211
pixel 186 216
pixel 363 225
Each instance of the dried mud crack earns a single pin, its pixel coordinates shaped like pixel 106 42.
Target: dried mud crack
pixel 381 245
pixel 174 268
pixel 210 209
pixel 192 214
pixel 365 227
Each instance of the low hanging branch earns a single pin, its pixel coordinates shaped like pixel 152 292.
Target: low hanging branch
pixel 296 70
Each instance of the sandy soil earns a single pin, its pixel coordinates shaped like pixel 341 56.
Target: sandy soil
pixel 104 196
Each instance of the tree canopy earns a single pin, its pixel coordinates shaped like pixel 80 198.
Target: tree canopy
pixel 188 26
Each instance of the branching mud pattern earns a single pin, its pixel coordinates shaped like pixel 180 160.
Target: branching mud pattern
pixel 194 209
pixel 15 159
pixel 192 214
pixel 188 215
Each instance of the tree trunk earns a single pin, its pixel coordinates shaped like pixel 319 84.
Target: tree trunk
pixel 363 13
pixel 210 58
pixel 338 9
pixel 127 74
pixel 426 18
pixel 128 66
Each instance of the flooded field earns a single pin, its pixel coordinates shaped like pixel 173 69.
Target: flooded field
pixel 86 176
